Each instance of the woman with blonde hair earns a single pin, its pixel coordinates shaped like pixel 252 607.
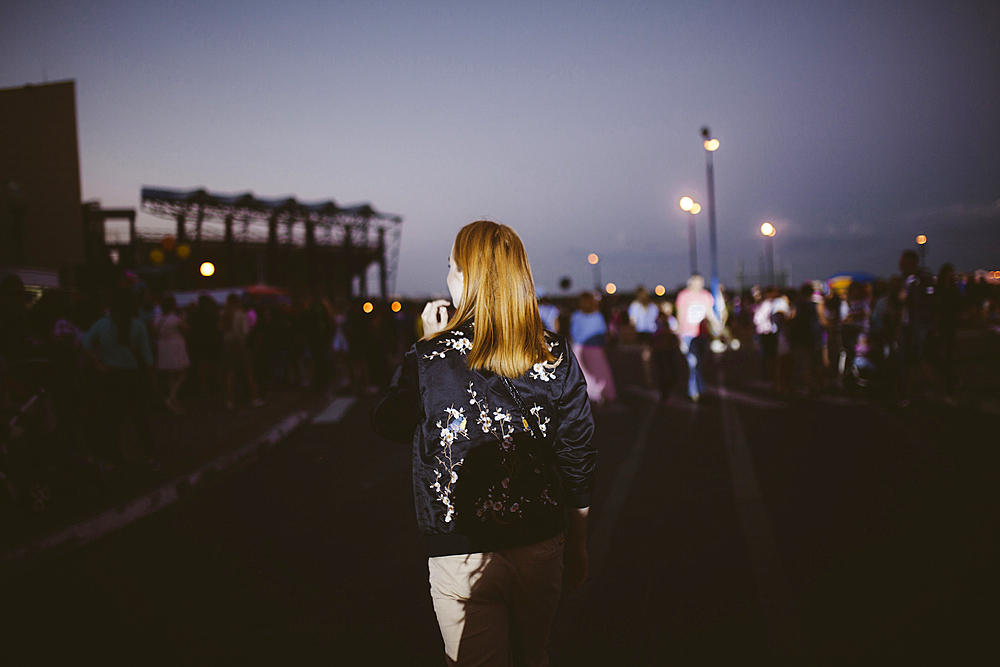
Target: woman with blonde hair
pixel 497 413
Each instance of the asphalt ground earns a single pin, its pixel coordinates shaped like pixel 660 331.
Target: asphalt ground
pixel 745 530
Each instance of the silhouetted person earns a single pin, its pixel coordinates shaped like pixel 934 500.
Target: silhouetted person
pixel 118 346
pixel 918 323
pixel 236 354
pixel 948 310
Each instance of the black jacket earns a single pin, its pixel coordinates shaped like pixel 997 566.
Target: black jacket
pixel 481 481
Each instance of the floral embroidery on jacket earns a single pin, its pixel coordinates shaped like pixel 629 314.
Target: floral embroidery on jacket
pixel 499 501
pixel 537 412
pixel 545 371
pixel 450 430
pixel 457 342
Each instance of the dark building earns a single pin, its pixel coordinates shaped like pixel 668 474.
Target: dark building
pixel 40 215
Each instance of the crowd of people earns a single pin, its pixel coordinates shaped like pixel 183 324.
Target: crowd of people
pixel 106 359
pixel 110 357
pixel 894 339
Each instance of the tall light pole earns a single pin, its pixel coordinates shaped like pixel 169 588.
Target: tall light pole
pixel 711 145
pixel 594 259
pixel 767 229
pixel 922 244
pixel 692 207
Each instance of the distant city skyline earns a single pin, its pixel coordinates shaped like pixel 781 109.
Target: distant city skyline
pixel 852 127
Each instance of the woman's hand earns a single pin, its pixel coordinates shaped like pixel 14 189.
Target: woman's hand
pixel 435 317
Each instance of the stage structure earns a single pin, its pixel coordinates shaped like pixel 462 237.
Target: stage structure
pixel 282 242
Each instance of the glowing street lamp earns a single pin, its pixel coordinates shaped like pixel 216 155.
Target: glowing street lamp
pixel 610 288
pixel 594 259
pixel 207 269
pixel 692 207
pixel 922 244
pixel 768 230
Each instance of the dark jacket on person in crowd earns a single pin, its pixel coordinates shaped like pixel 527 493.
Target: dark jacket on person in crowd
pixel 481 481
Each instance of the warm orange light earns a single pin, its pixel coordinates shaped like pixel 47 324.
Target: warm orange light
pixel 183 251
pixel 921 239
pixel 660 290
pixel 169 242
pixel 368 307
pixel 686 203
pixel 396 306
pixel 592 258
pixel 156 256
pixel 610 288
pixel 207 269
pixel 767 229
pixel 712 144
pixel 696 209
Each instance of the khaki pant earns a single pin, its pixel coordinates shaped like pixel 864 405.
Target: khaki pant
pixel 494 606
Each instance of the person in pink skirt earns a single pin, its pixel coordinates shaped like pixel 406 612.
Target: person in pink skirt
pixel 589 331
pixel 171 350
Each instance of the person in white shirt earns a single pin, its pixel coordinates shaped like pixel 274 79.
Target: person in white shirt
pixel 642 314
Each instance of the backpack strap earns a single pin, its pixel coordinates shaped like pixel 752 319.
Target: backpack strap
pixel 528 426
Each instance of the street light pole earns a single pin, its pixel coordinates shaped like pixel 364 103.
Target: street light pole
pixel 711 145
pixel 767 229
pixel 692 207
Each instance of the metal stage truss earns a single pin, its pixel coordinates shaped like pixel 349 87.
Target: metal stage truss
pixel 356 236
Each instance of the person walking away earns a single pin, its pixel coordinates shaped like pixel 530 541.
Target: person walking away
pixel 948 309
pixel 171 350
pixel 694 305
pixel 642 314
pixel 804 334
pixel 497 413
pixel 884 335
pixel 766 331
pixel 118 347
pixel 665 347
pixel 855 314
pixel 589 334
pixel 918 324
pixel 205 342
pixel 236 354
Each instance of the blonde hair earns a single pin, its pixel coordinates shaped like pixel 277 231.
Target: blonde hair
pixel 498 294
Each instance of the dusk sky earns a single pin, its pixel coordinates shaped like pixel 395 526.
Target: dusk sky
pixel 852 126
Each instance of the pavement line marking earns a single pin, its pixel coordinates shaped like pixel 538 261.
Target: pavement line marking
pixel 786 638
pixel 28 554
pixel 335 411
pixel 743 397
pixel 607 518
pixel 602 528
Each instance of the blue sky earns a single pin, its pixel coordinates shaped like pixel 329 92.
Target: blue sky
pixel 853 126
